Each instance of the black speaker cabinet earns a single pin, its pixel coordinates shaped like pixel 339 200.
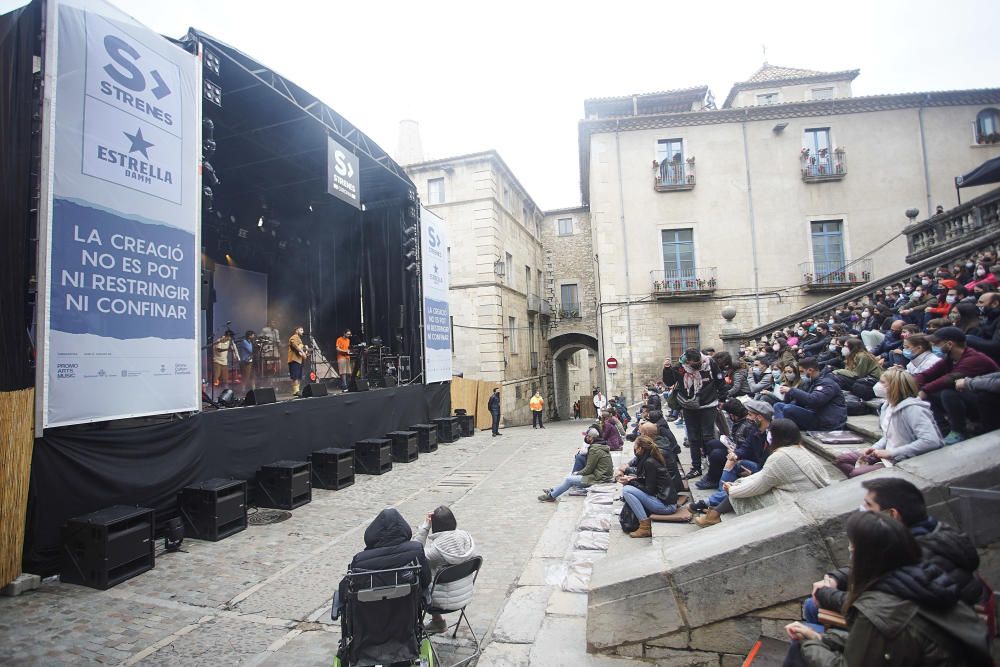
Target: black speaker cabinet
pixel 107 547
pixel 261 396
pixel 373 456
pixel 284 485
pixel 404 446
pixel 427 440
pixel 448 430
pixel 214 509
pixel 332 468
pixel 313 390
pixel 466 425
pixel 357 384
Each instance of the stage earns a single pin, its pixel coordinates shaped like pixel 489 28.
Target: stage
pixel 75 471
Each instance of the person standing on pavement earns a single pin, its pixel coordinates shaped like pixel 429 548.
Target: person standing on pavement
pixel 494 407
pixel 537 405
pixel 600 400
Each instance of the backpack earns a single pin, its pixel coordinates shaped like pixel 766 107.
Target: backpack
pixel 628 520
pixel 855 406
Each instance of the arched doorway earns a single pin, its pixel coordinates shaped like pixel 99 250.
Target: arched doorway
pixel 575 369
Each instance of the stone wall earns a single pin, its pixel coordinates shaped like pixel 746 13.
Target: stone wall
pixel 704 598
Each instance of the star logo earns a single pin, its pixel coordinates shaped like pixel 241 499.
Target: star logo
pixel 138 143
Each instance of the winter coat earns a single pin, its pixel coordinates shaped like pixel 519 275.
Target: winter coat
pixel 664 433
pixel 738 382
pixel 908 429
pixel 989 382
pixel 788 471
pixel 713 388
pixel 670 376
pixel 910 617
pixel 598 468
pixel 451 547
pixel 764 383
pixel 493 405
pixel 749 441
pixel 816 346
pixel 787 358
pixel 865 366
pixel 653 479
pixel 986 337
pixel 922 362
pixel 943 375
pixel 610 435
pixel 825 399
pixel 940 544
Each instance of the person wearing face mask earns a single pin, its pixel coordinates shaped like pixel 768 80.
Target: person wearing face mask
pixel 985 278
pixel 818 344
pixel 920 300
pixel 700 390
pixel 937 384
pixel 907 425
pixel 918 355
pixel 893 339
pixel 860 372
pixel 783 354
pixel 820 407
pixel 965 316
pixel 986 337
pixel 760 378
pixel 947 299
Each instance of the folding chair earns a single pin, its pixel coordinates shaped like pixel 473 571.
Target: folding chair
pixel 447 575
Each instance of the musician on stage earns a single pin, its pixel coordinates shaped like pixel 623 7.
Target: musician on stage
pixel 344 358
pixel 220 359
pixel 296 355
pixel 272 347
pixel 246 350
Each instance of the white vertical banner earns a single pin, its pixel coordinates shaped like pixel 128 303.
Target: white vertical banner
pixel 437 322
pixel 119 252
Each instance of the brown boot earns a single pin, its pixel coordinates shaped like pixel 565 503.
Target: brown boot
pixel 644 530
pixel 709 518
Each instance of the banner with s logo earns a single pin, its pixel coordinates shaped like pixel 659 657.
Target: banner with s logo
pixel 437 319
pixel 119 256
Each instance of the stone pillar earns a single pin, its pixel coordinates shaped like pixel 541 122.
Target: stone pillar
pixel 730 332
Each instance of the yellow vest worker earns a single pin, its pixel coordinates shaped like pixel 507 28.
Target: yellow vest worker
pixel 537 403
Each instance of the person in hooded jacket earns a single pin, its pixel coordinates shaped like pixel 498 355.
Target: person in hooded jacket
pixel 699 390
pixel 388 545
pixel 818 344
pixel 598 469
pixel 907 425
pixel 445 544
pixel 821 407
pixel 901 610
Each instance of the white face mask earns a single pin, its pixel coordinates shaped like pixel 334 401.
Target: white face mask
pixel 865 314
pixel 862 507
pixel 830 321
pixel 845 351
pixel 776 347
pixel 879 390
pixel 980 272
pixel 833 347
pixel 950 299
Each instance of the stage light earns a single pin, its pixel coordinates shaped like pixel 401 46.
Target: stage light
pixel 410 231
pixel 260 222
pixel 212 62
pixel 212 93
pixel 228 397
pixel 207 129
pixel 173 534
pixel 208 173
pixel 310 207
pixel 412 255
pixel 411 267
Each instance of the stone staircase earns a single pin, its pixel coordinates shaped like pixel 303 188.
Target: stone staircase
pixel 693 596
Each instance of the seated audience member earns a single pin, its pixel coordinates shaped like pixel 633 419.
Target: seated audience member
pixel 590 436
pixel 832 357
pixel 820 407
pixel 735 374
pixel 920 300
pixel 387 546
pixel 985 279
pixel 893 339
pixel 609 430
pixel 650 489
pixel 937 384
pixel 663 432
pixel 985 391
pixel 907 425
pixel 784 379
pixel 918 354
pixel 444 544
pixel 860 372
pixel 597 469
pixel 746 441
pixel 818 344
pixel 760 378
pixel 782 352
pixel 965 316
pixel 789 469
pixel 900 609
pixel 986 337
pixel 936 324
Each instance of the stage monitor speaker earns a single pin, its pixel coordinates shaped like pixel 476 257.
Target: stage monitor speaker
pixel 314 389
pixel 358 384
pixel 214 509
pixel 261 396
pixel 104 548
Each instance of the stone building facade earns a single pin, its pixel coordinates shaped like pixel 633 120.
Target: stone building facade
pixel 496 272
pixel 791 191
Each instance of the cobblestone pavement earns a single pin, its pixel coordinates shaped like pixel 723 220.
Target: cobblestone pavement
pixel 262 597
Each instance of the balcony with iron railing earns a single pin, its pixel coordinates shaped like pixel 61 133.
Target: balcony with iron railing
pixel 944 231
pixel 684 284
pixel 824 165
pixel 568 310
pixel 534 304
pixel 834 276
pixel 673 175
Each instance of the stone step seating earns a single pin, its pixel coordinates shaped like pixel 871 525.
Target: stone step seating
pixel 866 426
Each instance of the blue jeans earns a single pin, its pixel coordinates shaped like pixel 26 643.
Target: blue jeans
pixel 566 485
pixel 810 615
pixel 730 476
pixel 804 418
pixel 579 461
pixel 644 504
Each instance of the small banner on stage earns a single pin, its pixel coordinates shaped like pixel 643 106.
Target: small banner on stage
pixel 437 320
pixel 343 174
pixel 121 202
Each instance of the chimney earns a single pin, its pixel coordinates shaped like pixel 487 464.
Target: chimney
pixel 410 150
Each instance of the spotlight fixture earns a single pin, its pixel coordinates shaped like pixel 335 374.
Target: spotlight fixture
pixel 260 222
pixel 411 267
pixel 310 207
pixel 410 231
pixel 228 397
pixel 412 255
pixel 212 61
pixel 173 534
pixel 212 93
pixel 208 173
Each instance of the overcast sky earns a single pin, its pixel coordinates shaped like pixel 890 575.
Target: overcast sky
pixel 513 75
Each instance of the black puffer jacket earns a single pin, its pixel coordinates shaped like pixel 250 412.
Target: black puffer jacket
pixel 942 545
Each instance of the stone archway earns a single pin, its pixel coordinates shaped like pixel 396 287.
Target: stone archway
pixel 575 367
